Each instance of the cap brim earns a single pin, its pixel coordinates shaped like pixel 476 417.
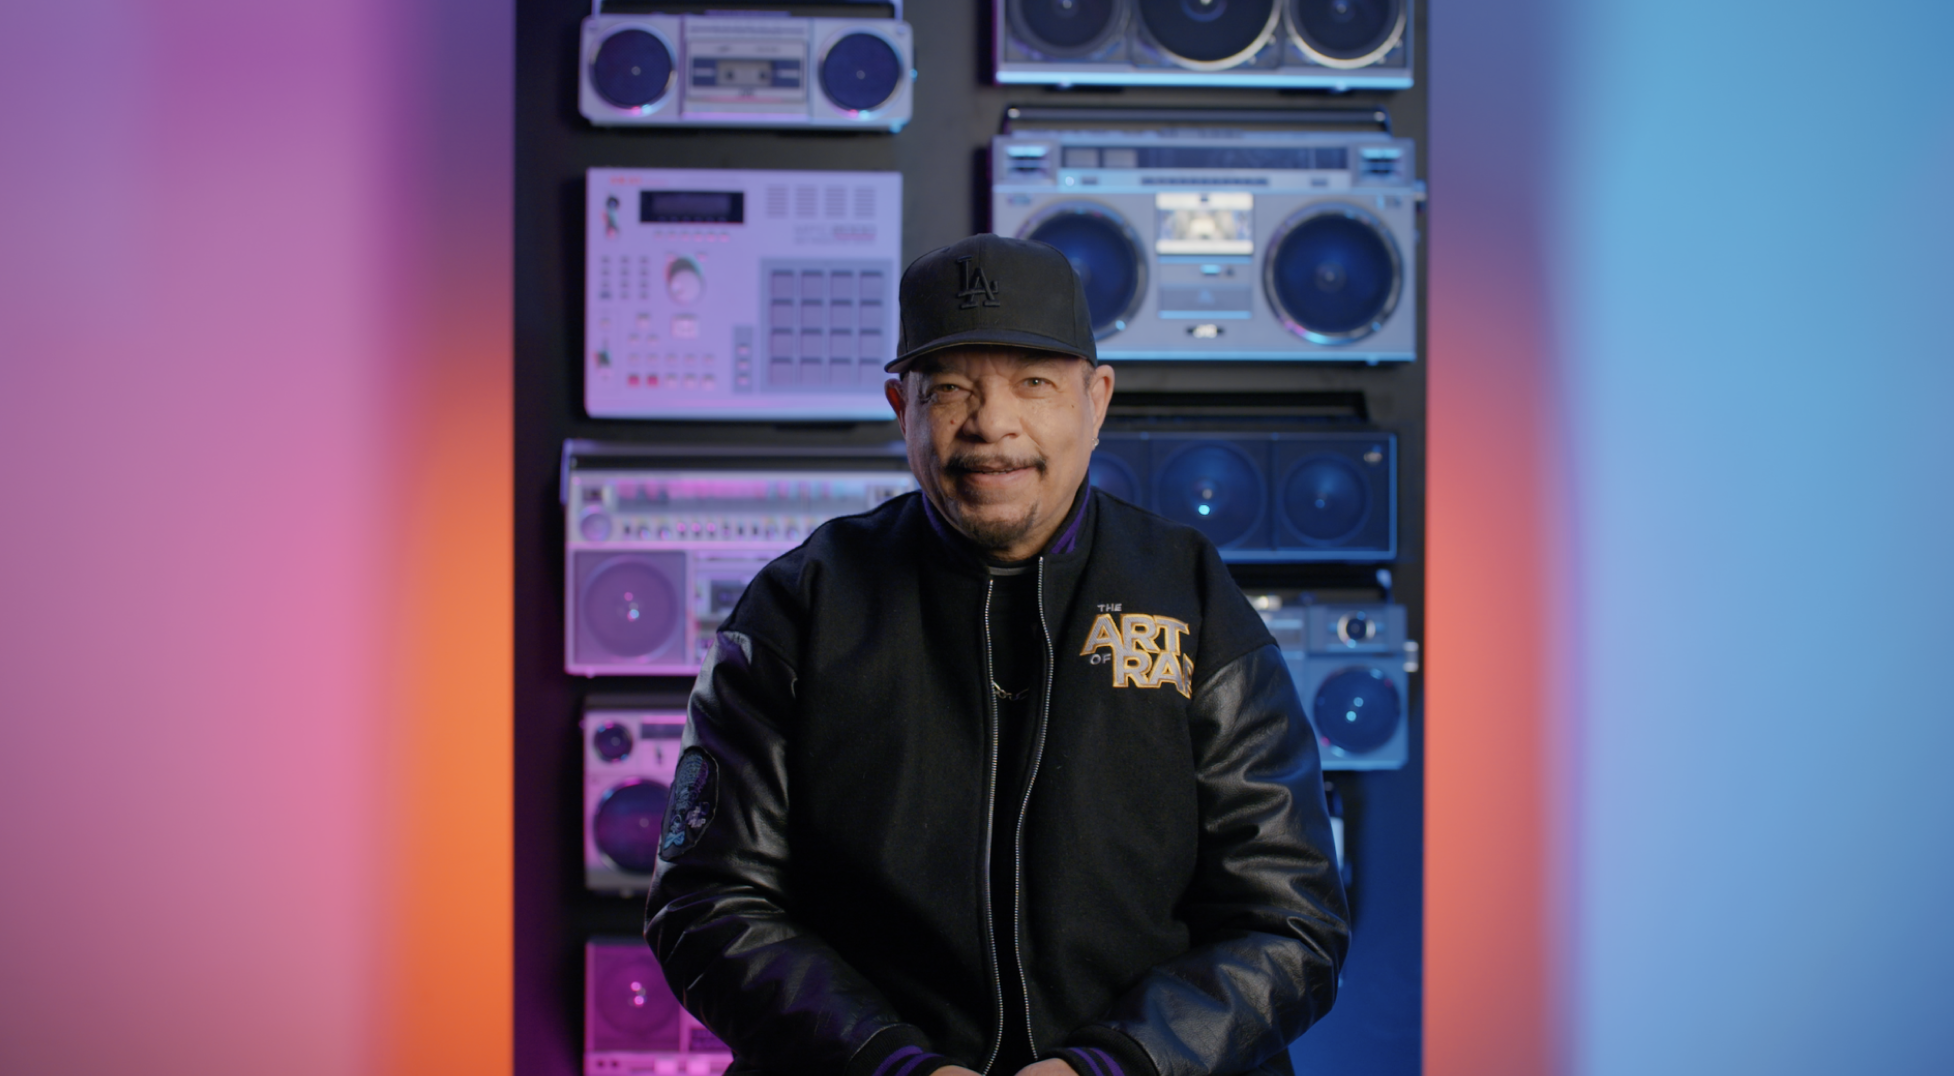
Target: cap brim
pixel 993 337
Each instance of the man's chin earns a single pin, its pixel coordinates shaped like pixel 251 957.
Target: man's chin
pixel 994 526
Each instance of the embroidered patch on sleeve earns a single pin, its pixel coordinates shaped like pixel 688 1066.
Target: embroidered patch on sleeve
pixel 695 796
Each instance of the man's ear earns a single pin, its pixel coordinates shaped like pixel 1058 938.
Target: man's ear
pixel 1099 389
pixel 898 399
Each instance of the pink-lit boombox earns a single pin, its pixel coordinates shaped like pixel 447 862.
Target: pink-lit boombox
pixel 735 295
pixel 633 1026
pixel 658 554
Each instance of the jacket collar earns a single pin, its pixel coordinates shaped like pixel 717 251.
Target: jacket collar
pixel 1071 540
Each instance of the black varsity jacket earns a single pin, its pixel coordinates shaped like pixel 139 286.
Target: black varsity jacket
pixel 822 901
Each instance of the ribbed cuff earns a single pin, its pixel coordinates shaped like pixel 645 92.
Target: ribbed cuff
pixel 896 1050
pixel 1096 1050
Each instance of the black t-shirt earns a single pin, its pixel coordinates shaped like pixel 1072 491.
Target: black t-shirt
pixel 1018 684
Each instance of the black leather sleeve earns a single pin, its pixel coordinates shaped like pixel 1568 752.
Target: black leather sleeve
pixel 720 919
pixel 1266 909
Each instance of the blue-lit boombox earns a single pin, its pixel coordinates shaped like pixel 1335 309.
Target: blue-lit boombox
pixel 713 294
pixel 1275 497
pixel 724 69
pixel 1352 663
pixel 1307 44
pixel 1226 244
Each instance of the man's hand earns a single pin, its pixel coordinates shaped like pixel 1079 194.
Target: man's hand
pixel 953 1071
pixel 1054 1067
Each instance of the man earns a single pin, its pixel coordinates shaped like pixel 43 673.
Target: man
pixel 1004 776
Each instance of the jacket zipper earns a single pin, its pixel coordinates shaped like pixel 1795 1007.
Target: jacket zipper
pixel 990 810
pixel 1024 808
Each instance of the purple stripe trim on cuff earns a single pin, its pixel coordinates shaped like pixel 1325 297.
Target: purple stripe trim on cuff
pixel 913 1063
pixel 891 1060
pixel 1086 1056
pixel 1108 1059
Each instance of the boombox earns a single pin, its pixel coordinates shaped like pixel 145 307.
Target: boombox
pixel 628 761
pixel 1209 244
pixel 656 559
pixel 1303 44
pixel 633 1025
pixel 1352 667
pixel 738 70
pixel 738 295
pixel 1270 496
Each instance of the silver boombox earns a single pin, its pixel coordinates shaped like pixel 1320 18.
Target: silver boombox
pixel 656 559
pixel 1352 663
pixel 714 294
pixel 741 70
pixel 1224 244
pixel 633 1023
pixel 629 759
pixel 1297 44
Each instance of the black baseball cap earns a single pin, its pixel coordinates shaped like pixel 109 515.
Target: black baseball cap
pixel 992 289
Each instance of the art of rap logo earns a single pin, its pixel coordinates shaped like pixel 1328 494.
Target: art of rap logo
pixel 1144 651
pixel 978 289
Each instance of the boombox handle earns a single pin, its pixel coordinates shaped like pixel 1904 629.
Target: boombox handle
pixel 1283 117
pixel 597 7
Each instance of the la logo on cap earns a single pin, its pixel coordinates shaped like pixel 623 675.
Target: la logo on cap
pixel 978 289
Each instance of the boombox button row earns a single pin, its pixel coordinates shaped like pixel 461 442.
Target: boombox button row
pixel 672 381
pixel 722 528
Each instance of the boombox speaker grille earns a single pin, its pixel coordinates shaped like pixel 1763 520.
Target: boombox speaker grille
pixel 630 607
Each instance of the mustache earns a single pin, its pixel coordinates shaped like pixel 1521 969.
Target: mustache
pixel 972 463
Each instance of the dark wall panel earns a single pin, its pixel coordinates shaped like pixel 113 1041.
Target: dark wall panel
pixel 941 154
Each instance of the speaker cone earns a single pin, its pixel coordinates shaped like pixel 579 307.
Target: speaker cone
pixel 633 999
pixel 1105 253
pixel 1209 35
pixel 1357 709
pixel 612 742
pixel 1213 488
pixel 1114 476
pixel 1346 33
pixel 632 69
pixel 1325 499
pixel 861 72
pixel 631 608
pixel 627 824
pixel 1063 27
pixel 1333 274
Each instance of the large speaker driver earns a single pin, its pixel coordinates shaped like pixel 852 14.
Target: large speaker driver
pixel 1065 27
pixel 1106 254
pixel 1346 33
pixel 1209 35
pixel 1213 487
pixel 627 824
pixel 861 72
pixel 1357 709
pixel 630 606
pixel 1113 476
pixel 1325 499
pixel 632 69
pixel 632 1000
pixel 1333 274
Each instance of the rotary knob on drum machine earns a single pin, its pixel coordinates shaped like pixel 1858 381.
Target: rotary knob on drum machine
pixel 684 282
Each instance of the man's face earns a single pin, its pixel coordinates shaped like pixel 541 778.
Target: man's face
pixel 1000 439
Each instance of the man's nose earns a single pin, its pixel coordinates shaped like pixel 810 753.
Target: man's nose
pixel 993 416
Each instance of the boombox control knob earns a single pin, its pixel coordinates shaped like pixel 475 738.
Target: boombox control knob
pixel 1356 628
pixel 683 282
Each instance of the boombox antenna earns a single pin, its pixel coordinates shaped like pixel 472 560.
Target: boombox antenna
pixel 1284 117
